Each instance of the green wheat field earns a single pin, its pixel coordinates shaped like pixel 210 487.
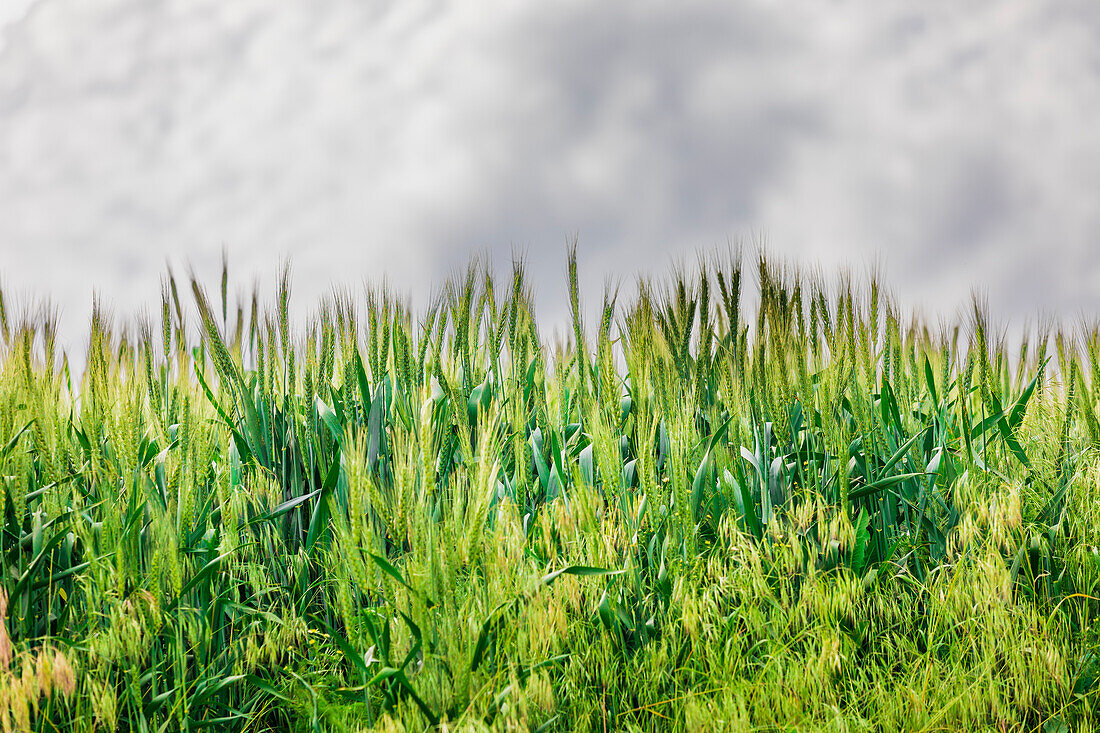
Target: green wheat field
pixel 747 498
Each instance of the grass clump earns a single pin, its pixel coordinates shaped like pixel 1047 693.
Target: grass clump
pixel 814 516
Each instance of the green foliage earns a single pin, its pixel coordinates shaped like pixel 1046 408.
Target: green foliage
pixel 812 516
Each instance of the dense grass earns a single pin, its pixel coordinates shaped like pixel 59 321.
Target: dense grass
pixel 808 515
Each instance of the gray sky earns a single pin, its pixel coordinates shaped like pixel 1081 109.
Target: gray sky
pixel 957 144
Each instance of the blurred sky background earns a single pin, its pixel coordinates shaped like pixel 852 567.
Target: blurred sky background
pixel 955 144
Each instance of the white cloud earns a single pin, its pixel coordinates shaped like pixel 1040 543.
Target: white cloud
pixel 958 139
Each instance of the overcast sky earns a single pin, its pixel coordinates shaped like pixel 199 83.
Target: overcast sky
pixel 955 143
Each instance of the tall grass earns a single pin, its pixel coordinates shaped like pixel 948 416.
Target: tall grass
pixel 816 514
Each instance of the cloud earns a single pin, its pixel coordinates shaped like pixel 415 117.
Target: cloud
pixel 960 146
pixel 955 140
